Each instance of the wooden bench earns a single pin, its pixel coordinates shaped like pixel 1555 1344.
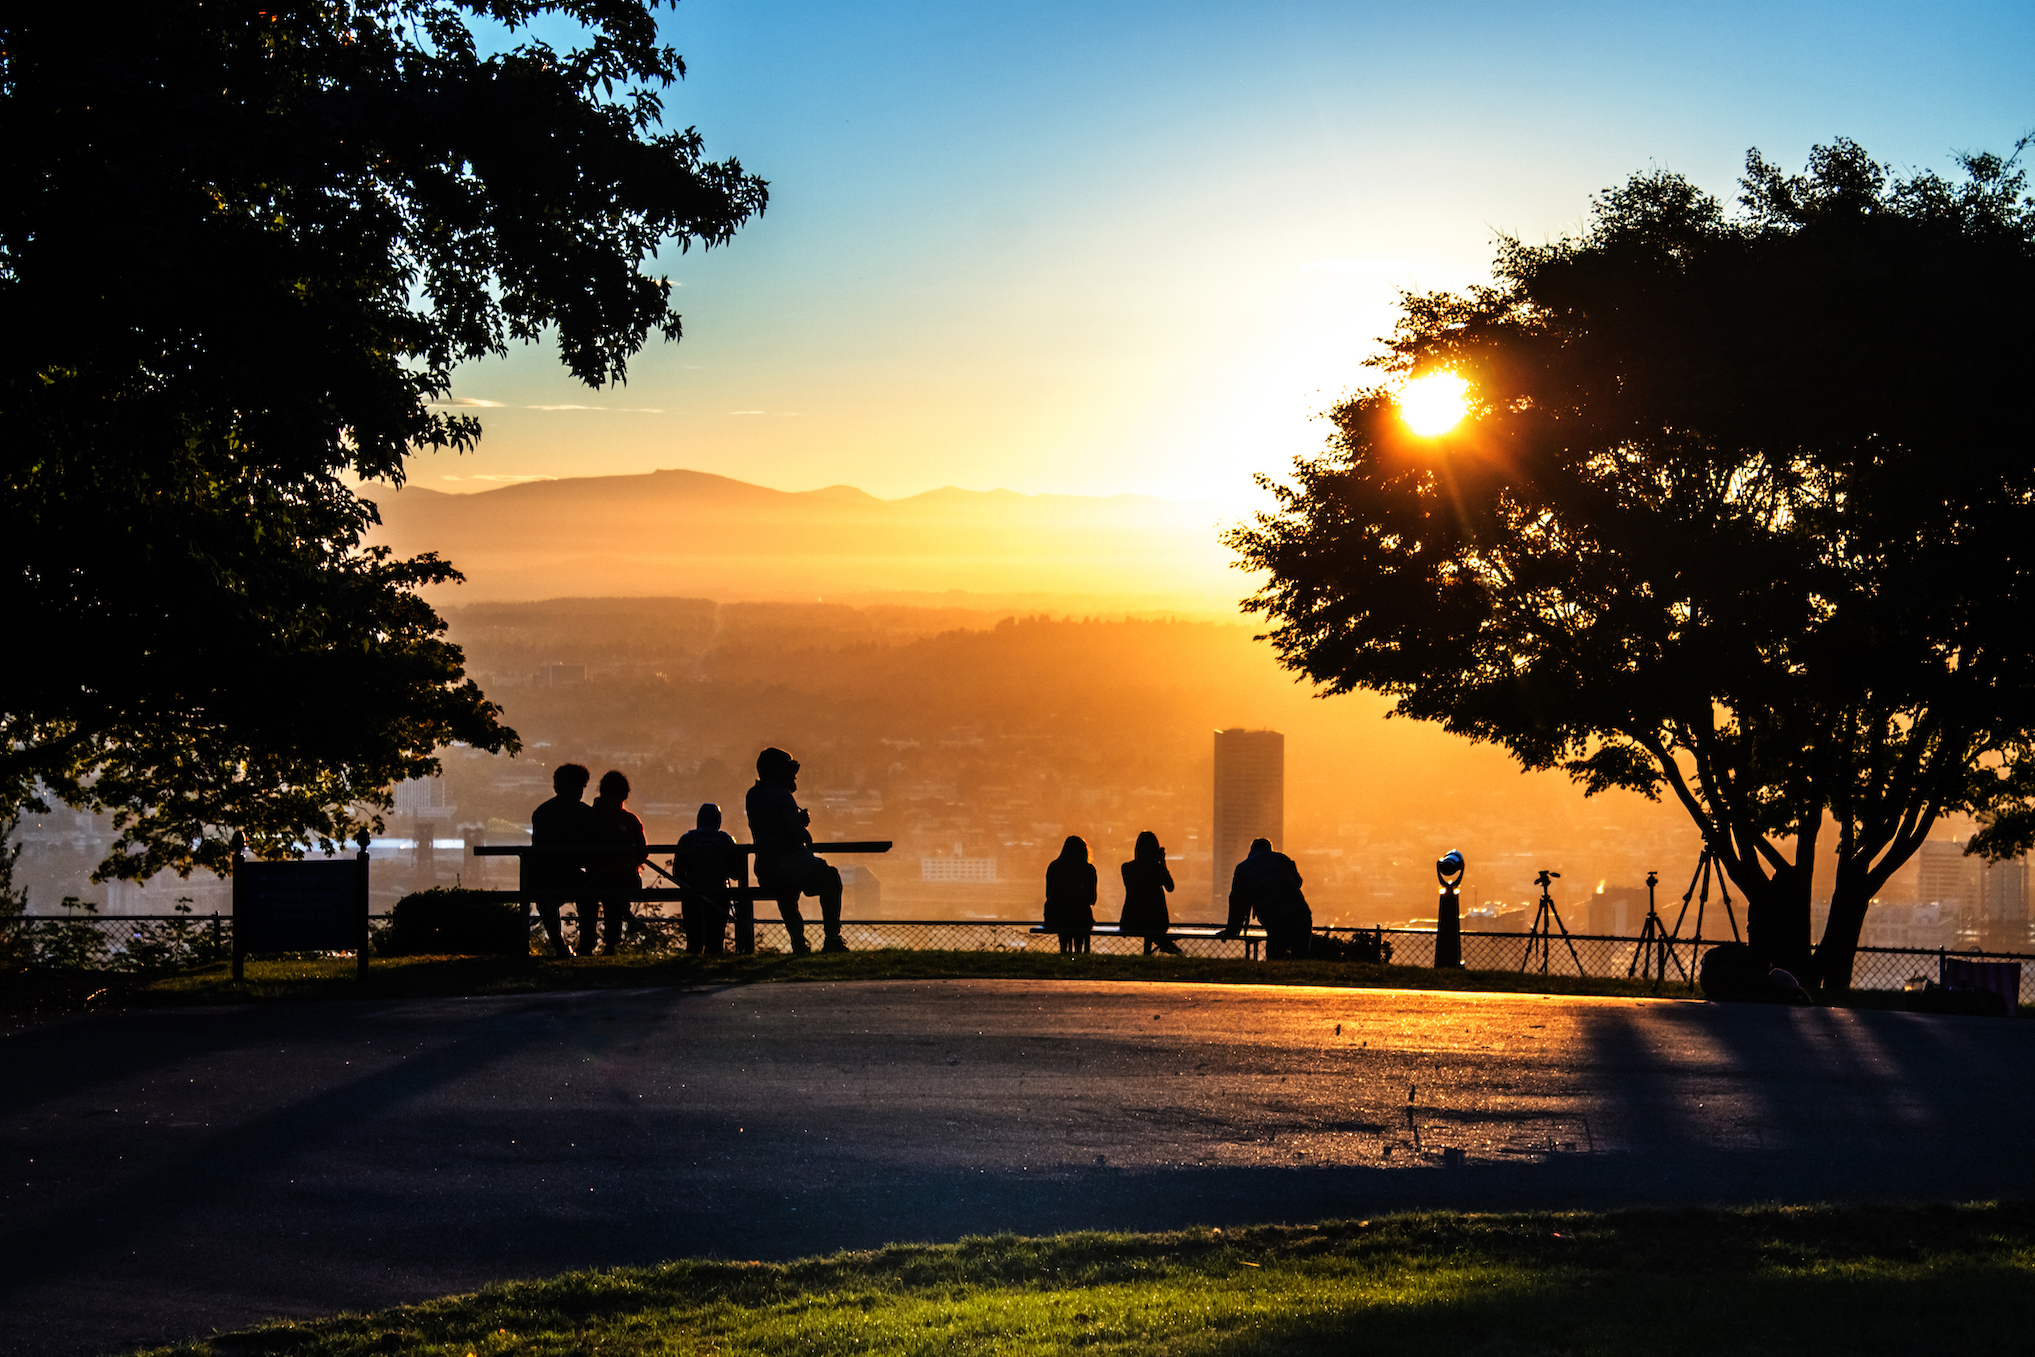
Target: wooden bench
pixel 743 897
pixel 1251 937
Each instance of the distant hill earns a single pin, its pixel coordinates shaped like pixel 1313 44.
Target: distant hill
pixel 690 533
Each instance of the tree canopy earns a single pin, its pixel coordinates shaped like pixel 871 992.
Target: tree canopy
pixel 242 250
pixel 1741 514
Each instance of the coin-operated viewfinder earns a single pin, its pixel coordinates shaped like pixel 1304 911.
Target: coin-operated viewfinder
pixel 1448 926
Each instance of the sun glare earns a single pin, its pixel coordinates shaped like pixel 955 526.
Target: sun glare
pixel 1434 404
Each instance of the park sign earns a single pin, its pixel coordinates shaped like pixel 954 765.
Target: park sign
pixel 310 906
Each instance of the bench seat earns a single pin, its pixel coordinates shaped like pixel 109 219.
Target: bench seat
pixel 1251 937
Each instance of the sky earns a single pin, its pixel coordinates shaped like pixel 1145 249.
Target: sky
pixel 1105 247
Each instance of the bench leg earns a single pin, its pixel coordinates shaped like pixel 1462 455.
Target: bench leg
pixel 745 927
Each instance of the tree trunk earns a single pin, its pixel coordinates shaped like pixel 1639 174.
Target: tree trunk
pixel 1849 898
pixel 1777 923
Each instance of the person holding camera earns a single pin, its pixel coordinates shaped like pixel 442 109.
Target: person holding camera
pixel 786 865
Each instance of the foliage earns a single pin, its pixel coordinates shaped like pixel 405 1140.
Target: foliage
pixel 1829 1278
pixel 1739 513
pixel 244 247
pixel 1372 948
pixel 113 945
pixel 13 899
pixel 446 921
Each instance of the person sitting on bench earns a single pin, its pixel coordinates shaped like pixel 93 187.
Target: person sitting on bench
pixel 1070 896
pixel 1269 883
pixel 785 863
pixel 1146 879
pixel 614 875
pixel 705 864
pixel 554 875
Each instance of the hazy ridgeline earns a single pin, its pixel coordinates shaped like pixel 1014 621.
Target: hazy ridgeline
pixel 946 726
pixel 688 532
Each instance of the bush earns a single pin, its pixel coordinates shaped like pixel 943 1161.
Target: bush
pixel 1372 947
pixel 445 921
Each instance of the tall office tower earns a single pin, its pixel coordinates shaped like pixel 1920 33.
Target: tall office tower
pixel 2003 905
pixel 1947 877
pixel 1250 801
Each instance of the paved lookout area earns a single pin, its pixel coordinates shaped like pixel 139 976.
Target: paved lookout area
pixel 170 1171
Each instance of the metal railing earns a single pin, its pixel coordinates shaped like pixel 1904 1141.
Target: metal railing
pixel 158 942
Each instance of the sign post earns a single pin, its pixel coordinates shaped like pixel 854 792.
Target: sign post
pixel 314 906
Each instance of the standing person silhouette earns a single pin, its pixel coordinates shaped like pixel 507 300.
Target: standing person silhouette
pixel 706 862
pixel 1145 883
pixel 561 829
pixel 785 863
pixel 1269 883
pixel 1070 896
pixel 616 873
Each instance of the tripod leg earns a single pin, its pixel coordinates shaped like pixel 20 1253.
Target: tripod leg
pixel 1569 941
pixel 1702 902
pixel 1724 895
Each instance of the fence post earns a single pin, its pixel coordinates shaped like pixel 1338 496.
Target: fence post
pixel 745 915
pixel 362 840
pixel 218 944
pixel 239 857
pixel 528 903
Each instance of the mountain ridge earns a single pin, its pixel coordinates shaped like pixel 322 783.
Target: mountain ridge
pixel 695 533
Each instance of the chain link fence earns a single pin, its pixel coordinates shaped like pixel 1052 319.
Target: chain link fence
pixel 158 942
pixel 127 942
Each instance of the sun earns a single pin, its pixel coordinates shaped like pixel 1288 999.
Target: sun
pixel 1434 404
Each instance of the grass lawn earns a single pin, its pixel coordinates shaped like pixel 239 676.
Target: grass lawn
pixel 1832 1281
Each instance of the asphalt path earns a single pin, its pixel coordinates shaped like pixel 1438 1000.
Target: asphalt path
pixel 172 1171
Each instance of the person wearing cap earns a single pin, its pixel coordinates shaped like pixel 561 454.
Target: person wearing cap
pixel 1268 883
pixel 785 863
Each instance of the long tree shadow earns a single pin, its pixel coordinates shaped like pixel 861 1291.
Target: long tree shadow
pixel 1798 1104
pixel 138 1203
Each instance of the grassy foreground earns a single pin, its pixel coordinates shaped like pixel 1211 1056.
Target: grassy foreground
pixel 419 977
pixel 1826 1280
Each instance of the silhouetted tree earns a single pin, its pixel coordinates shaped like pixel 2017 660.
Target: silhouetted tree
pixel 242 247
pixel 1743 509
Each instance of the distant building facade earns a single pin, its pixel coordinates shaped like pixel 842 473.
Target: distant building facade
pixel 1250 801
pixel 1988 899
pixel 972 871
pixel 2003 905
pixel 1945 876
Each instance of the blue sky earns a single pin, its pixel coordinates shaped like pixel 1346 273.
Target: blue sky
pixel 1130 247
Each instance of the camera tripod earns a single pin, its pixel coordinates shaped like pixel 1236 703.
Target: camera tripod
pixel 1546 920
pixel 1706 866
pixel 1655 950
